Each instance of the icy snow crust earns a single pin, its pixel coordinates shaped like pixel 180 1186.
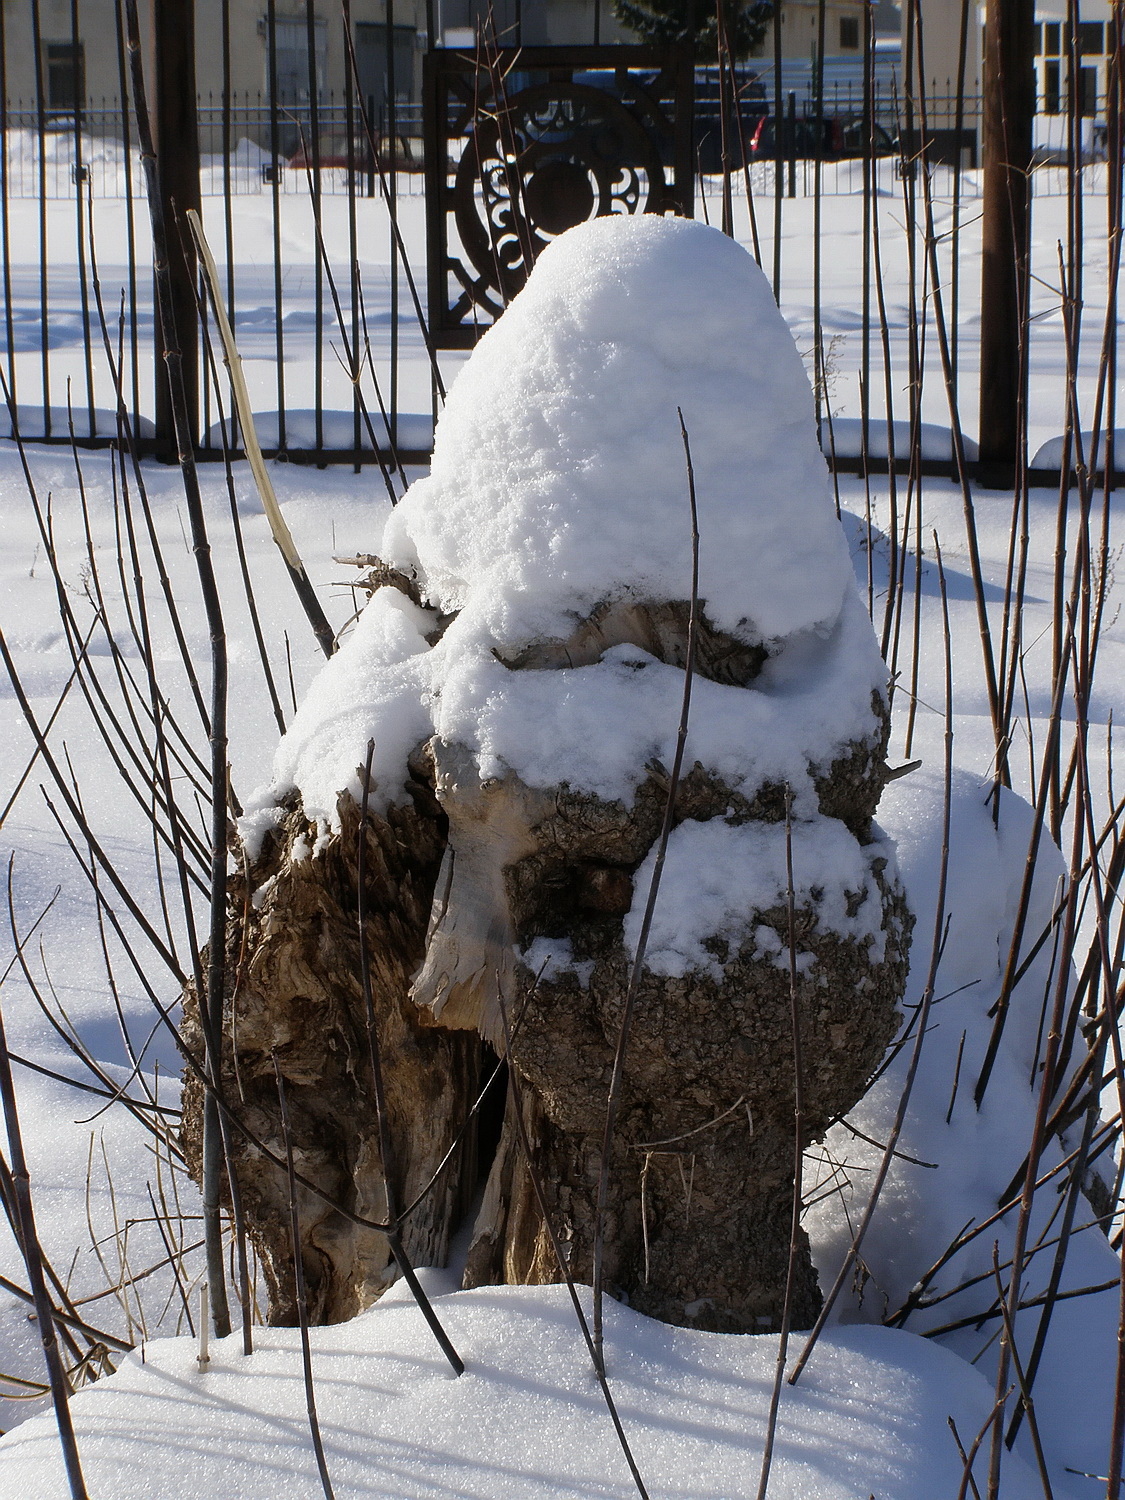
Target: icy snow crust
pixel 559 484
pixel 526 1420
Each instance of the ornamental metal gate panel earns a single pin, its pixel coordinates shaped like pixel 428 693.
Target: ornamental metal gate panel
pixel 523 143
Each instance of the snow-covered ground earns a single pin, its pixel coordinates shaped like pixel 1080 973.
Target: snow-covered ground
pixel 526 1420
pixel 871 1413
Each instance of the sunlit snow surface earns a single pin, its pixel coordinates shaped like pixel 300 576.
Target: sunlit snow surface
pixel 526 1421
pixel 952 1171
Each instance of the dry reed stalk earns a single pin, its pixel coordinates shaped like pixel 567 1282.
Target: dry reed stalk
pixel 302 1298
pixel 33 1262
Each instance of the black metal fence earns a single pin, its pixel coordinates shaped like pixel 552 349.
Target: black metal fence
pixel 313 200
pixel 52 157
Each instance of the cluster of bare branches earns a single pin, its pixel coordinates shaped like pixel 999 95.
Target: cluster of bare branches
pixel 161 723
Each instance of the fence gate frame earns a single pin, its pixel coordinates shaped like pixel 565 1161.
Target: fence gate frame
pixel 644 123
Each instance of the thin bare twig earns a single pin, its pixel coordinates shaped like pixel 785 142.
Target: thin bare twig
pixel 299 1281
pixel 617 1077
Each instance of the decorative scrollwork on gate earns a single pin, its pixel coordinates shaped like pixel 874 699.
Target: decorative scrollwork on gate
pixel 508 172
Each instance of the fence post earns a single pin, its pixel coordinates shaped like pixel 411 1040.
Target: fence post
pixel 177 151
pixel 1008 109
pixel 791 144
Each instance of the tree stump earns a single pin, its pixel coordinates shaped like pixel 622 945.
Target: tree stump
pixel 510 850
pixel 295 991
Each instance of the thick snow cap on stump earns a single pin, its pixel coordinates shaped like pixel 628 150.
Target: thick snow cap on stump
pixel 558 490
pixel 558 475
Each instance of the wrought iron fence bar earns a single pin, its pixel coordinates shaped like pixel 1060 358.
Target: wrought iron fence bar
pixel 80 171
pixel 869 102
pixel 5 210
pixel 315 195
pixel 819 379
pixel 392 205
pixel 275 186
pixel 44 262
pixel 871 464
pixel 227 138
pixel 777 148
pixel 126 126
pixel 353 237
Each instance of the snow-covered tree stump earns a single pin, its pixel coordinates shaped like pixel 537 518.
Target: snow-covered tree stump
pixel 520 668
pixel 296 993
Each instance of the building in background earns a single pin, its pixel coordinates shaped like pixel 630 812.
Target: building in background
pixel 942 27
pixel 233 51
pixel 1054 80
pixel 85 63
pixel 52 65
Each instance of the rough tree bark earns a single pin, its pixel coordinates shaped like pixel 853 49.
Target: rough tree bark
pixel 295 989
pixel 463 876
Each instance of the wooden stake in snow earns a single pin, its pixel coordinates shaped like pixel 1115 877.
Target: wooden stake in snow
pixel 278 525
pixel 203 1358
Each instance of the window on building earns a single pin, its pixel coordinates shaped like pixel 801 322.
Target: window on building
pixel 64 75
pixel 1039 41
pixel 1091 38
pixel 849 33
pixel 1051 36
pixel 290 62
pixel 1052 101
pixel 1087 92
pixel 372 63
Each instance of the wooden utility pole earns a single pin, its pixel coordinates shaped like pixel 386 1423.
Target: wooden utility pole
pixel 1008 112
pixel 176 130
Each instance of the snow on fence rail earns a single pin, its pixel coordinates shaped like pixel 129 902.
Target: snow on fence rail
pixel 48 156
pixel 247 147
